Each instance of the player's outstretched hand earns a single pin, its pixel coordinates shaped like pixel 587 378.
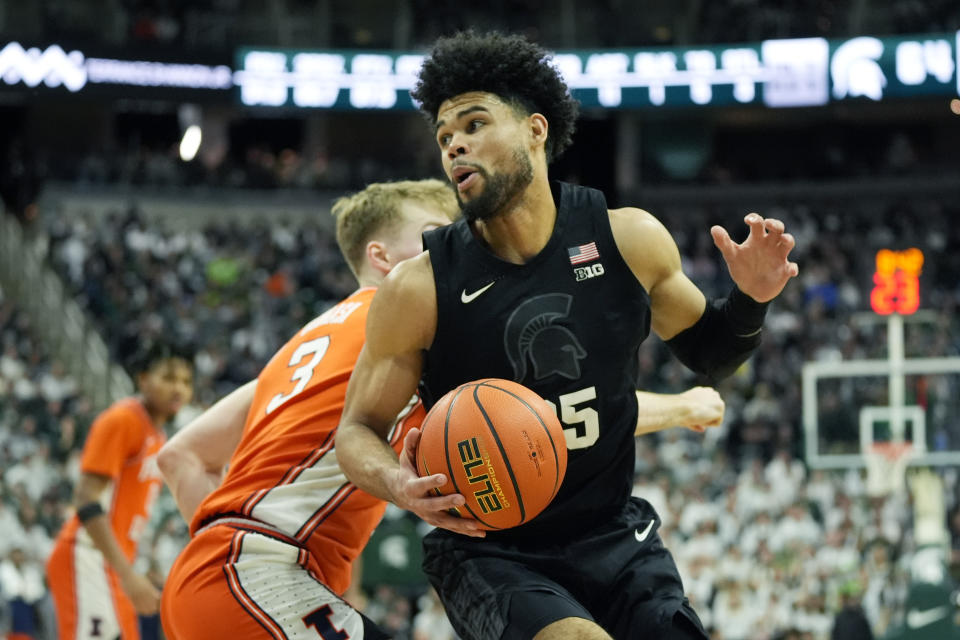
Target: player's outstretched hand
pixel 703 408
pixel 145 596
pixel 416 494
pixel 759 265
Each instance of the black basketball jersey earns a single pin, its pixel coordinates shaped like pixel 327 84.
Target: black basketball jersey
pixel 566 324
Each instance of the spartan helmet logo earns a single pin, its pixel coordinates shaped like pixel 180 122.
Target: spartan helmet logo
pixel 532 336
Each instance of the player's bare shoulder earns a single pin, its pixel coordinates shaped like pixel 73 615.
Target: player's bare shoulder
pixel 405 305
pixel 644 243
pixel 411 278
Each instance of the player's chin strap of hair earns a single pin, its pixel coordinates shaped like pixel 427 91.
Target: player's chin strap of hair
pixel 724 336
pixel 89 510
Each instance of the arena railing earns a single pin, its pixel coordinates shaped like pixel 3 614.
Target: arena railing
pixel 55 316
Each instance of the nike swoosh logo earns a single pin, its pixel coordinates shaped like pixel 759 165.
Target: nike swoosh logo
pixel 917 618
pixel 642 535
pixel 467 298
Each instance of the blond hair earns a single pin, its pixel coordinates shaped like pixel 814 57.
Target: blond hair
pixel 378 208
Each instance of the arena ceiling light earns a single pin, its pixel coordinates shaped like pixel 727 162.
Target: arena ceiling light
pixel 190 143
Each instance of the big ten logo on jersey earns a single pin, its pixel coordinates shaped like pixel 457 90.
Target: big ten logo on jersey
pixel 480 473
pixel 587 272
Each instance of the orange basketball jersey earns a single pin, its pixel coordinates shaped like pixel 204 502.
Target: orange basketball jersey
pixel 284 472
pixel 122 445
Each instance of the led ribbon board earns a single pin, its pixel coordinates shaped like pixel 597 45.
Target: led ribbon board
pixel 774 73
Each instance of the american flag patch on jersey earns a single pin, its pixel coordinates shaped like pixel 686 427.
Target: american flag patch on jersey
pixel 583 253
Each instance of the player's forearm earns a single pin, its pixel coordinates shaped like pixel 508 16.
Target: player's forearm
pixel 211 437
pixel 98 528
pixel 659 411
pixel 96 521
pixel 697 408
pixel 724 337
pixel 194 492
pixel 189 479
pixel 366 459
pixel 193 460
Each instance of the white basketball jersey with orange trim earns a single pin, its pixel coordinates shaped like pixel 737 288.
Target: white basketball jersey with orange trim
pixel 284 473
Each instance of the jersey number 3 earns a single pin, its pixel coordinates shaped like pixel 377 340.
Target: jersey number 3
pixel 302 374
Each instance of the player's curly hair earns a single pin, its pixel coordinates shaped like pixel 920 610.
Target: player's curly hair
pixel 509 66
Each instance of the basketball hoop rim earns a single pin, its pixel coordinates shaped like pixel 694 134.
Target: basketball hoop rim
pixel 887 464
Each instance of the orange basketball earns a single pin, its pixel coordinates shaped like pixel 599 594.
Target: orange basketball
pixel 500 445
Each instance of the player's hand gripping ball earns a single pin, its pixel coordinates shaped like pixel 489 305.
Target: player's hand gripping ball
pixel 500 445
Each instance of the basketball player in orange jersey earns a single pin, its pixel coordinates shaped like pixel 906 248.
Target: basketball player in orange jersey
pixel 273 541
pixel 542 283
pixel 96 591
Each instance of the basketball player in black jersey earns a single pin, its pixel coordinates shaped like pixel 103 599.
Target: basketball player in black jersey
pixel 543 284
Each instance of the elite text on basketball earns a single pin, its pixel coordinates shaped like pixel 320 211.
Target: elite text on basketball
pixel 490 496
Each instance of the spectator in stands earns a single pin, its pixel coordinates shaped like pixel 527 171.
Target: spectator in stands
pixel 34 471
pixel 14 535
pixel 796 528
pixel 734 614
pixel 36 539
pixel 22 588
pixel 851 622
pixel 55 385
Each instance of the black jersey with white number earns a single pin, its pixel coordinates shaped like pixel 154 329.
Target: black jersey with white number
pixel 567 324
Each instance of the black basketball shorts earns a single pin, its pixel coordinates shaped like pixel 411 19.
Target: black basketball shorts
pixel 619 575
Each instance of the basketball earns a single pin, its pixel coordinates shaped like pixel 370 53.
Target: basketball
pixel 500 445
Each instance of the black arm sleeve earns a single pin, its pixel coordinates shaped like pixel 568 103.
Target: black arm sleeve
pixel 724 336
